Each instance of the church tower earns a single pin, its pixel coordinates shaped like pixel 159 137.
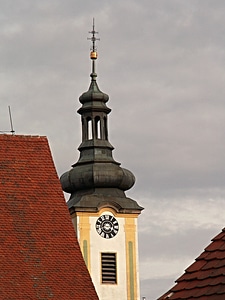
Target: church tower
pixel 105 219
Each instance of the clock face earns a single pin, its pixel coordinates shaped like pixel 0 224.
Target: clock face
pixel 107 226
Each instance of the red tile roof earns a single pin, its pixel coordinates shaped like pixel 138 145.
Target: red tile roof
pixel 205 278
pixel 39 254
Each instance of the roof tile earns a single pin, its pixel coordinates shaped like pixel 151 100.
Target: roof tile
pixel 40 255
pixel 205 278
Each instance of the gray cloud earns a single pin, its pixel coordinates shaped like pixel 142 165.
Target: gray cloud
pixel 162 64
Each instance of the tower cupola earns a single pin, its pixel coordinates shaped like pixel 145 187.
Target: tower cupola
pixel 96 179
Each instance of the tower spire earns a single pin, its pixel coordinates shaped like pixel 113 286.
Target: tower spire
pixel 93 54
pixel 96 172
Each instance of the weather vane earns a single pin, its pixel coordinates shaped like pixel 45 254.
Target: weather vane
pixel 93 54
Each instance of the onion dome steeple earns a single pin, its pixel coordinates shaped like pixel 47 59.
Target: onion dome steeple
pixel 97 179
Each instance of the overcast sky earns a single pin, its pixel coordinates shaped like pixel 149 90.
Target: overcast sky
pixel 162 63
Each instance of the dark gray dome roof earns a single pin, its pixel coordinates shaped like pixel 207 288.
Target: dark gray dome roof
pixel 98 175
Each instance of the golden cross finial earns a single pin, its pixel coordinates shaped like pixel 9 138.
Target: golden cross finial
pixel 93 54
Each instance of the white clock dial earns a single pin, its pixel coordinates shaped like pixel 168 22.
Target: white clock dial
pixel 107 226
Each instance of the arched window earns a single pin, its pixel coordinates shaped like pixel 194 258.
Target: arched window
pixel 89 129
pixel 97 127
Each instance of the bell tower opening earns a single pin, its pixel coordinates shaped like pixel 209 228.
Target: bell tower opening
pixel 98 132
pixel 89 129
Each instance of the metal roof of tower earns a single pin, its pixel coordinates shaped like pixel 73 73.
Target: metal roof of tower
pixel 96 179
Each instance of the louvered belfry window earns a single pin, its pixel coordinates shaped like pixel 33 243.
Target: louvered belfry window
pixel 109 268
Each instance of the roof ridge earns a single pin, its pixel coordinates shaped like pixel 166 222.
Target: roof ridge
pixel 21 135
